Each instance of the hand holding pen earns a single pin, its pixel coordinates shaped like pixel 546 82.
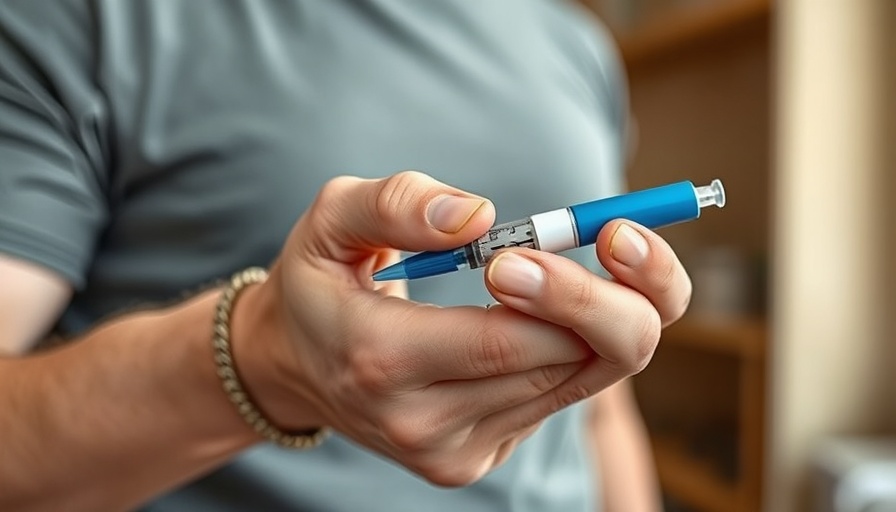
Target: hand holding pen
pixel 446 392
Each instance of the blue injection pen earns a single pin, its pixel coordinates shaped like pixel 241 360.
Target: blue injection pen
pixel 565 228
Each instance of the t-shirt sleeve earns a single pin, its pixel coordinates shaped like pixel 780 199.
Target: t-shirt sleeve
pixel 52 149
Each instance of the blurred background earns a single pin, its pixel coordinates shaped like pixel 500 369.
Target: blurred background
pixel 776 391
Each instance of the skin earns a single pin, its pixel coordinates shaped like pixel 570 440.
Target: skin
pixel 446 392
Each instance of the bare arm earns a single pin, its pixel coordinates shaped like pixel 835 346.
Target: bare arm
pixel 622 450
pixel 31 300
pixel 104 423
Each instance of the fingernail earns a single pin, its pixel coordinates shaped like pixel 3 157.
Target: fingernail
pixel 516 275
pixel 450 214
pixel 628 246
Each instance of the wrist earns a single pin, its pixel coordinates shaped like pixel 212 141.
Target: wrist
pixel 265 361
pixel 191 369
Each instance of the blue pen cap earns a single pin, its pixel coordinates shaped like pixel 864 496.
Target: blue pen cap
pixel 652 208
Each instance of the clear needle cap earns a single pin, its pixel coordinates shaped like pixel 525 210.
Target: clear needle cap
pixel 712 194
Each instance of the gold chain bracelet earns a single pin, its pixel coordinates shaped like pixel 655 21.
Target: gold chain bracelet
pixel 230 379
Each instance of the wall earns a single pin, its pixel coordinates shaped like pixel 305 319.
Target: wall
pixel 832 357
pixel 703 113
pixel 888 133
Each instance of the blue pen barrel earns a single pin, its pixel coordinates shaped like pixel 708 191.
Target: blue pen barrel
pixel 653 208
pixel 565 228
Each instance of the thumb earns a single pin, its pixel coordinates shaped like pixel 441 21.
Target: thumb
pixel 409 211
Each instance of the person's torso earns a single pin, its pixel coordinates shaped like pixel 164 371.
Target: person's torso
pixel 225 118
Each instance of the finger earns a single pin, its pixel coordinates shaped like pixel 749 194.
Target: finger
pixel 411 344
pixel 596 376
pixel 467 401
pixel 619 323
pixel 409 211
pixel 643 260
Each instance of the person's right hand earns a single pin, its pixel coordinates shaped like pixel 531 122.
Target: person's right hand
pixel 446 392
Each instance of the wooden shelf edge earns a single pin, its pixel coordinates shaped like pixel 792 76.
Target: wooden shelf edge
pixel 739 337
pixel 688 25
pixel 692 481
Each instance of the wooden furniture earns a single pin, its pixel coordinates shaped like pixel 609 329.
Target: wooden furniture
pixel 699 75
pixel 692 479
pixel 673 29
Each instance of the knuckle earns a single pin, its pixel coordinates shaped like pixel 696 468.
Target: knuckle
pixel 372 371
pixel 495 354
pixel 567 396
pixel 451 472
pixel 646 341
pixel 330 198
pixel 334 189
pixel 394 192
pixel 680 304
pixel 400 432
pixel 413 435
pixel 546 378
pixel 666 278
pixel 583 305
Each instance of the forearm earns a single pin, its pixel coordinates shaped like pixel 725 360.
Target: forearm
pixel 109 420
pixel 621 446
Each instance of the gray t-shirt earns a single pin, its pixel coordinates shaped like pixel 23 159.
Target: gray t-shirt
pixel 149 147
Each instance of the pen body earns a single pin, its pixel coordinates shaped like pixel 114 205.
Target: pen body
pixel 652 208
pixel 566 228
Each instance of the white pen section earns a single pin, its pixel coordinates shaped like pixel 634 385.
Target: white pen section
pixel 554 231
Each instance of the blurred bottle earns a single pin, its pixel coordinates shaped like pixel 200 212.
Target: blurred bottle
pixel 723 284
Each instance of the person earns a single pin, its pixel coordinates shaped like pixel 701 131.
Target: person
pixel 149 150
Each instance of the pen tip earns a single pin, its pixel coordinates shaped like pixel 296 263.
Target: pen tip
pixel 391 273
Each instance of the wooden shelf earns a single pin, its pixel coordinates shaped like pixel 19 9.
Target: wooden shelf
pixel 692 481
pixel 698 75
pixel 679 27
pixel 697 482
pixel 739 337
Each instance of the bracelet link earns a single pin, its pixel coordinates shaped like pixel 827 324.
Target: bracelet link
pixel 230 380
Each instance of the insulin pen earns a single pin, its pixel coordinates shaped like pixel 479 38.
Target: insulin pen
pixel 565 228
